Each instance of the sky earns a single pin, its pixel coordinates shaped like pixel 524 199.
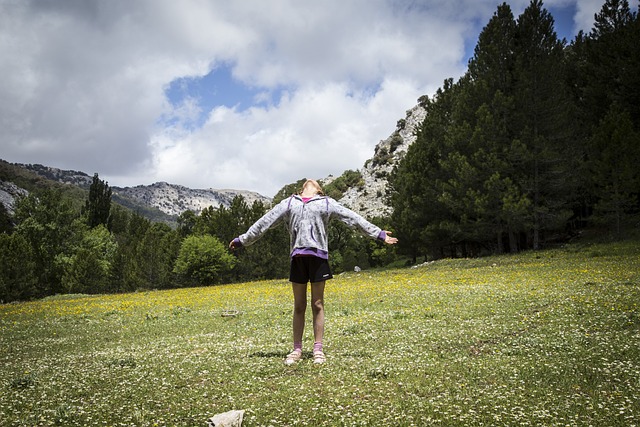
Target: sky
pixel 246 95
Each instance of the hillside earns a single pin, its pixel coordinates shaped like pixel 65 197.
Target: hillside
pixel 8 194
pixel 368 195
pixel 160 201
pixel 174 199
pixel 17 180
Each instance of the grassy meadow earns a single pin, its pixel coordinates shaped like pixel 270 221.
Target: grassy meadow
pixel 540 338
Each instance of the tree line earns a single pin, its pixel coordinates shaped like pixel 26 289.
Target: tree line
pixel 536 140
pixel 50 246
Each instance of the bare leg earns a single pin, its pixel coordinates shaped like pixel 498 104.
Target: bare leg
pixel 299 309
pixel 317 307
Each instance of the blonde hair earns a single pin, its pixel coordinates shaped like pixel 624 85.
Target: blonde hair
pixel 315 184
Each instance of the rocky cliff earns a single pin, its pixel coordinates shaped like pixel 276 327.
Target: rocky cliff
pixel 371 199
pixel 9 192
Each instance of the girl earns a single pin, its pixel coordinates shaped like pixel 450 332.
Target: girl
pixel 307 216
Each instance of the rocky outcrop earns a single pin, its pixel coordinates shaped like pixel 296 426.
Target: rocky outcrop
pixel 9 192
pixel 371 199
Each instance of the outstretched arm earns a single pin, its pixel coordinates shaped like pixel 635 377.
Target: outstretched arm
pixel 354 220
pixel 255 232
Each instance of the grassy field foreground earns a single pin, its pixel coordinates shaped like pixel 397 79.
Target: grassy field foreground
pixel 539 338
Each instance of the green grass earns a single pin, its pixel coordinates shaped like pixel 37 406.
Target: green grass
pixel 540 338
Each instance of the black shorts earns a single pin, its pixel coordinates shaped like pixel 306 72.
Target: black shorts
pixel 309 269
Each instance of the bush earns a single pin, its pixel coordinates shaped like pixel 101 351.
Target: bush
pixel 203 260
pixel 340 185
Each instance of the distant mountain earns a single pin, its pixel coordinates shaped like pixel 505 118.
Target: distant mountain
pixel 18 180
pixel 160 202
pixel 174 199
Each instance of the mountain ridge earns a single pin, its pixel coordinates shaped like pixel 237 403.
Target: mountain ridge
pixel 174 199
pixel 170 199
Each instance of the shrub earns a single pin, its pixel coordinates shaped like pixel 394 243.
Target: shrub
pixel 340 185
pixel 396 141
pixel 203 260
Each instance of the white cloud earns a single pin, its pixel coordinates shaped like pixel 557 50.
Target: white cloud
pixel 312 133
pixel 83 83
pixel 585 13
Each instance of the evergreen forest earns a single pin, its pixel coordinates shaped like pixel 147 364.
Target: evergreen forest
pixel 538 141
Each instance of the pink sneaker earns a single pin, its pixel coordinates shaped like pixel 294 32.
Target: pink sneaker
pixel 293 357
pixel 319 357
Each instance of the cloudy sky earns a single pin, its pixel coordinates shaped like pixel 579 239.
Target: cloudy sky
pixel 248 94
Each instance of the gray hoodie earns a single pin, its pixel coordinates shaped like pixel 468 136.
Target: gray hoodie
pixel 307 222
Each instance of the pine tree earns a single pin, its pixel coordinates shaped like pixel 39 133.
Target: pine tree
pixel 605 78
pixel 416 186
pixel 18 278
pixel 615 178
pixel 155 256
pixel 492 62
pixel 491 69
pixel 543 122
pixel 97 208
pixel 6 224
pixel 612 62
pixel 614 16
pixel 133 228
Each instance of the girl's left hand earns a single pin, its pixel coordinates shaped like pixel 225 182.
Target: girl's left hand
pixel 389 240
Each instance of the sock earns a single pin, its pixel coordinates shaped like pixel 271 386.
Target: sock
pixel 297 346
pixel 317 346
